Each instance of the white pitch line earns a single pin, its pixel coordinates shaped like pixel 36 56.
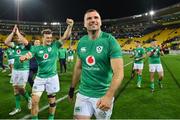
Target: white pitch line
pixel 128 63
pixel 60 99
pixel 46 106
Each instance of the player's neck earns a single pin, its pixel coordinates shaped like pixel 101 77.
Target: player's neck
pixel 94 34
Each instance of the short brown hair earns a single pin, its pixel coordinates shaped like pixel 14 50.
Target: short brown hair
pixel 46 31
pixel 91 10
pixel 137 41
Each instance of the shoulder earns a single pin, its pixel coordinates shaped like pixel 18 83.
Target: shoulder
pixel 36 48
pixel 108 36
pixel 83 38
pixel 142 48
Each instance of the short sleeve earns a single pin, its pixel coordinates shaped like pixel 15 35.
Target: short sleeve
pixel 78 49
pixel 143 51
pixel 57 43
pixel 115 48
pixel 33 50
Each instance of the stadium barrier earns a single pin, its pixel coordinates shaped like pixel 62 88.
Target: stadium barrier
pixel 175 52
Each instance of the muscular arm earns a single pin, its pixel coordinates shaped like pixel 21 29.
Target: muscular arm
pixel 67 33
pixel 75 79
pixel 141 57
pixel 22 38
pixel 10 37
pixel 118 75
pixel 161 52
pixel 25 57
pixel 77 73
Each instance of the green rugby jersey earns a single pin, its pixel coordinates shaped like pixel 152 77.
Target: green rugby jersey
pixel 20 50
pixel 10 53
pixel 95 55
pixel 70 52
pixel 62 53
pixel 46 57
pixel 155 58
pixel 138 53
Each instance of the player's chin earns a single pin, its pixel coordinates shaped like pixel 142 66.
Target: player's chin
pixel 94 28
pixel 48 43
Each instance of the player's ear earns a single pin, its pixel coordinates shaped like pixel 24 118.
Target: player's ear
pixel 85 24
pixel 100 23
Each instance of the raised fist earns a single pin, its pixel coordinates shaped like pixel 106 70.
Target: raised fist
pixel 70 22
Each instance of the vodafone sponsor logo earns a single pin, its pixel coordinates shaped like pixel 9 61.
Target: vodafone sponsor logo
pixel 90 60
pixel 45 56
pixel 18 51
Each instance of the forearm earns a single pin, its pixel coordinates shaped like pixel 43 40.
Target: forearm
pixel 22 38
pixel 150 53
pixel 142 57
pixel 116 82
pixel 67 33
pixel 162 53
pixel 118 75
pixel 9 39
pixel 76 77
pixel 25 57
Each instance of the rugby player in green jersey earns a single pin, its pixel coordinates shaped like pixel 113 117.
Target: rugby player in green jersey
pixel 70 55
pixel 10 56
pixel 154 52
pixel 99 67
pixel 46 78
pixel 138 55
pixel 20 70
pixel 62 59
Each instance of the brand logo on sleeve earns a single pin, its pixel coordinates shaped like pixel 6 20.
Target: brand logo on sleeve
pixel 90 60
pixel 40 52
pixel 83 49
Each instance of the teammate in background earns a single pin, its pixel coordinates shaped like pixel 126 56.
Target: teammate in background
pixel 46 78
pixel 10 56
pixel 1 60
pixel 70 54
pixel 154 52
pixel 99 67
pixel 62 59
pixel 139 55
pixel 33 66
pixel 20 70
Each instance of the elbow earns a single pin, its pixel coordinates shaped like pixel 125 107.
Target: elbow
pixel 25 43
pixel 6 43
pixel 122 74
pixel 64 38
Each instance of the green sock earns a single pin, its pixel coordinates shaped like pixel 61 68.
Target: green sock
pixel 159 81
pixel 51 116
pixel 152 85
pixel 26 96
pixel 139 78
pixel 17 98
pixel 34 117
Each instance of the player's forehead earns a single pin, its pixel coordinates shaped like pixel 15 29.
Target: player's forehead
pixel 37 40
pixel 92 14
pixel 153 42
pixel 47 35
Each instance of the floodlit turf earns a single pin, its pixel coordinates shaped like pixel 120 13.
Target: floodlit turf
pixel 131 103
